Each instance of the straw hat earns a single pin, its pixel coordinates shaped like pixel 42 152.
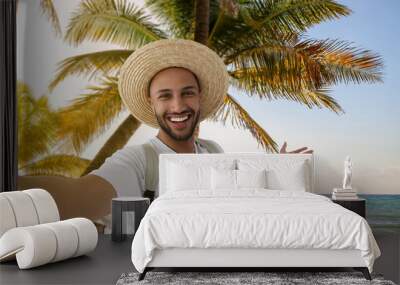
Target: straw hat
pixel 141 66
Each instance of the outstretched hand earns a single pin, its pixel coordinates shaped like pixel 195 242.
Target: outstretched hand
pixel 299 150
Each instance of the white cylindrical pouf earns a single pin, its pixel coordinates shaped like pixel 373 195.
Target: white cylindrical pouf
pixel 40 244
pixel 7 218
pixel 87 234
pixel 67 239
pixel 23 208
pixel 34 245
pixel 45 205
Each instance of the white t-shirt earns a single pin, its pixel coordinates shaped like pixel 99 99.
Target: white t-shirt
pixel 125 170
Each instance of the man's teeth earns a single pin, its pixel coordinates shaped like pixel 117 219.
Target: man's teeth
pixel 178 119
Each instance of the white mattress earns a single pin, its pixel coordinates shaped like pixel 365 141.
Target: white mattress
pixel 252 218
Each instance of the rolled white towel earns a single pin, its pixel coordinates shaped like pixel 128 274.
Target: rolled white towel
pixel 40 244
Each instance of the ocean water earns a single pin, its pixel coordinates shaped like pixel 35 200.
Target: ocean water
pixel 383 212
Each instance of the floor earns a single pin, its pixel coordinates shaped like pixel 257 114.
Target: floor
pixel 102 266
pixel 389 262
pixel 110 260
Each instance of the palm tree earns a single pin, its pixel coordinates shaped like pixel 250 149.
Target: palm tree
pixel 262 42
pixel 202 21
pixel 37 135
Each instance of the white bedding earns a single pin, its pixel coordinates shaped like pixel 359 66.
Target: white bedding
pixel 250 218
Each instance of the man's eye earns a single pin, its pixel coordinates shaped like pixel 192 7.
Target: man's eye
pixel 188 93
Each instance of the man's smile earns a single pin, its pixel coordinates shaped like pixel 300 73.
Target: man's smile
pixel 179 122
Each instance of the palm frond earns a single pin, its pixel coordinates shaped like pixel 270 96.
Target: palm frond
pixel 37 125
pixel 282 70
pixel 90 64
pixel 241 118
pixel 226 9
pixel 177 16
pixel 341 62
pixel 272 19
pixel 260 83
pixel 116 141
pixel 279 66
pixel 90 114
pixel 51 13
pixel 115 21
pixel 320 98
pixel 293 15
pixel 57 165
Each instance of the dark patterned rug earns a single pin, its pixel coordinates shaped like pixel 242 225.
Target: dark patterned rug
pixel 270 278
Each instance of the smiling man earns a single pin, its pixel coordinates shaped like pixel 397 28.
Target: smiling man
pixel 175 96
pixel 170 85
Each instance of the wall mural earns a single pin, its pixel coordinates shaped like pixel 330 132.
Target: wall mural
pixel 323 77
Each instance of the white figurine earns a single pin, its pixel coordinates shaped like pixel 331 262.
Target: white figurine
pixel 347 173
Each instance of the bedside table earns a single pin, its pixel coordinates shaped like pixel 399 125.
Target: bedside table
pixel 357 206
pixel 120 205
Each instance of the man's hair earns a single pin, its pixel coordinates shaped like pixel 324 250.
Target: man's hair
pixel 195 77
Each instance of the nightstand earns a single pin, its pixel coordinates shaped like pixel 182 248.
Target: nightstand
pixel 357 206
pixel 120 207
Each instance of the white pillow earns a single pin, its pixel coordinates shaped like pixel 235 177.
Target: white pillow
pixel 183 176
pixel 223 179
pixel 282 173
pixel 251 178
pixel 293 179
pixel 227 179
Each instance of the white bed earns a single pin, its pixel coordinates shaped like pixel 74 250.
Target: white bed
pixel 201 219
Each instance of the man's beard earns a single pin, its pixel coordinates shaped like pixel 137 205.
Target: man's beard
pixel 174 136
